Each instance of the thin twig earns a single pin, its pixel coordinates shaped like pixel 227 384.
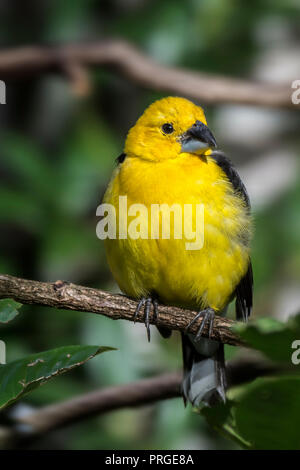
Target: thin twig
pixel 141 69
pixel 69 296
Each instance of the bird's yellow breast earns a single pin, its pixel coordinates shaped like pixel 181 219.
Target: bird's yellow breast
pixel 189 278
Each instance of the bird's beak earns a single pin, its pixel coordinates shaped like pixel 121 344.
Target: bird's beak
pixel 198 137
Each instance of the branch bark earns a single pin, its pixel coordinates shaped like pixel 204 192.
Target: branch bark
pixel 137 67
pixel 64 295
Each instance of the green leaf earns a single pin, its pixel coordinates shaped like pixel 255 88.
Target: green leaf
pixel 272 337
pixel 8 310
pixel 20 377
pixel 268 413
pixel 262 415
pixel 220 418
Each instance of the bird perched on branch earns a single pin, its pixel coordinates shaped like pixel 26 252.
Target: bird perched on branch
pixel 170 162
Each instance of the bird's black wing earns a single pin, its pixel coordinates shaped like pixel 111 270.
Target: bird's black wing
pixel 121 158
pixel 223 162
pixel 244 294
pixel 244 290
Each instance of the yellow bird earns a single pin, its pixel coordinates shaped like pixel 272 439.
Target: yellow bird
pixel 170 160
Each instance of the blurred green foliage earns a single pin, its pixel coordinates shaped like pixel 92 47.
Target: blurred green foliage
pixel 57 152
pixel 265 413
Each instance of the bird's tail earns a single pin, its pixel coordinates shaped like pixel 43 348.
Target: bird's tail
pixel 204 378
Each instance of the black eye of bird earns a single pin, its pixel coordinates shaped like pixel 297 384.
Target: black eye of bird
pixel 167 128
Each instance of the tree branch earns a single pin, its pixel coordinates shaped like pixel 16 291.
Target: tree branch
pixel 142 392
pixel 69 296
pixel 26 428
pixel 139 68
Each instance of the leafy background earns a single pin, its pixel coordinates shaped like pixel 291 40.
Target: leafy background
pixel 57 151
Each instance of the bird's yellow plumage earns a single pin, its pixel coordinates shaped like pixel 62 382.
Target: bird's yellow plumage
pixel 169 160
pixel 155 172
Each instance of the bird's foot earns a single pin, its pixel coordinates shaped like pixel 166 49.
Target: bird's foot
pixel 146 304
pixel 207 315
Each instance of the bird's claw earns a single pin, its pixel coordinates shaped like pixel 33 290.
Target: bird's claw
pixel 208 316
pixel 146 303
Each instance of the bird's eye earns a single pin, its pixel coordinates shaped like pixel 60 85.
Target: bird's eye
pixel 167 128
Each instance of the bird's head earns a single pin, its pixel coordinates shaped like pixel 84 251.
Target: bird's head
pixel 168 128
